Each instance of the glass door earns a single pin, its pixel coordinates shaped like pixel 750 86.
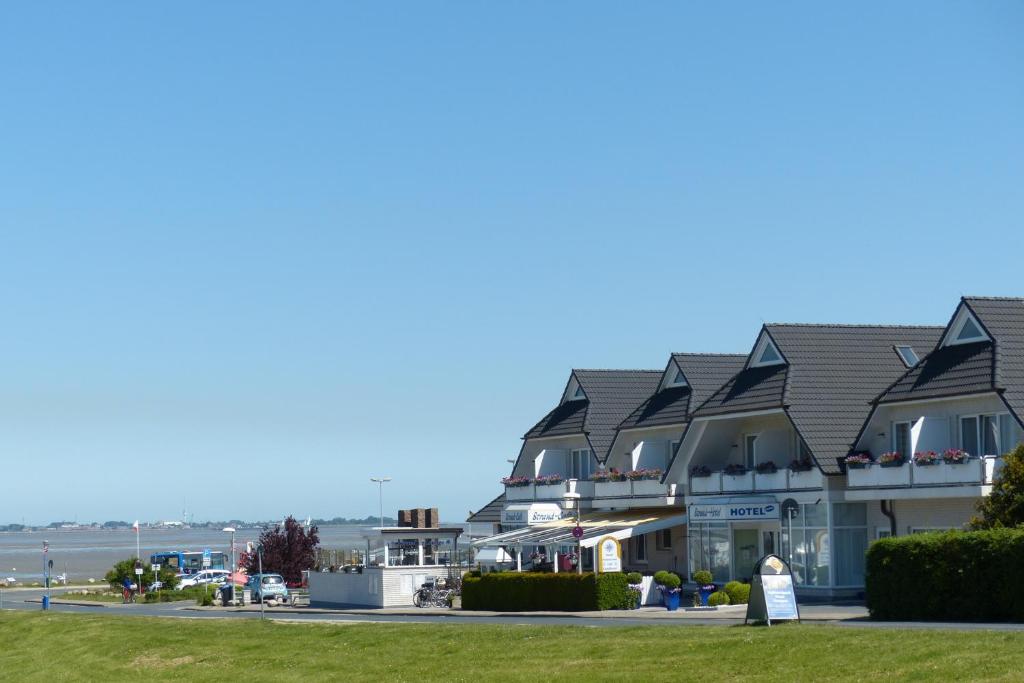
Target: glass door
pixel 744 552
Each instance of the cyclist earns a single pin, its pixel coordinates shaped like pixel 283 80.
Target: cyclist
pixel 128 590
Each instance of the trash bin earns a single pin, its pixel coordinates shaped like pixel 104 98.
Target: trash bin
pixel 46 602
pixel 246 596
pixel 226 595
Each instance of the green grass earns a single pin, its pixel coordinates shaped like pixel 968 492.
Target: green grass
pixel 45 647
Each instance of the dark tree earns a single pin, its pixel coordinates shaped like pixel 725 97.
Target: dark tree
pixel 286 551
pixel 1004 507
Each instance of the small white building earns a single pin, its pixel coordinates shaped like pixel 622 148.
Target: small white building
pixel 410 557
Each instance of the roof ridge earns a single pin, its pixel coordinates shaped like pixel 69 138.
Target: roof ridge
pixel 616 370
pixel 879 326
pixel 995 298
pixel 699 353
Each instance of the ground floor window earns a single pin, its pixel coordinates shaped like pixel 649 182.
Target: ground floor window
pixel 663 540
pixel 807 547
pixel 709 549
pixel 640 548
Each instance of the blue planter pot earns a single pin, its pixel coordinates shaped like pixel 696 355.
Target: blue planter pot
pixel 705 592
pixel 672 601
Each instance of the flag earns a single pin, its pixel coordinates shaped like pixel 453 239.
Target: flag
pixel 136 526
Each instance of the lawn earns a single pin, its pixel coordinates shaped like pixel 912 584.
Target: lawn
pixel 46 647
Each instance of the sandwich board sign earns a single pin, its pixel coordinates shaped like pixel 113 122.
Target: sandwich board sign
pixel 772 597
pixel 609 555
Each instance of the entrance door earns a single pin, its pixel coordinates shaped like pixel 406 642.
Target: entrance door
pixel 769 543
pixel 744 552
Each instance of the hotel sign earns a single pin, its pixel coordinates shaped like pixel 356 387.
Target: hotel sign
pixel 732 512
pixel 609 555
pixel 531 514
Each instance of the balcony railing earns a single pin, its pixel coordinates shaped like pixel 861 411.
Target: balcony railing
pixel 631 489
pixel 550 491
pixel 749 482
pixel 976 472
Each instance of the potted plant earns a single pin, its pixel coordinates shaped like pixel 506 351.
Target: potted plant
pixel 643 474
pixel 700 471
pixel 636 580
pixel 705 587
pixel 735 470
pixel 545 480
pixel 926 458
pixel 600 476
pixel 891 459
pixel 615 475
pixel 955 456
pixel 858 461
pixel 801 465
pixel 516 481
pixel 767 467
pixel 670 590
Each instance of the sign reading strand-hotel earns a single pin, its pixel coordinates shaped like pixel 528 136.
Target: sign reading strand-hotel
pixel 728 512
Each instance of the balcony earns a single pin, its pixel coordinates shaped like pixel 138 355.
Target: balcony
pixel 551 492
pixel 640 488
pixel 750 482
pixel 974 472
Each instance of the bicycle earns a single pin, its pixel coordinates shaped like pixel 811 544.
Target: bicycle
pixel 433 594
pixel 127 596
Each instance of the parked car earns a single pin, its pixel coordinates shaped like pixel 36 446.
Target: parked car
pixel 213 576
pixel 269 586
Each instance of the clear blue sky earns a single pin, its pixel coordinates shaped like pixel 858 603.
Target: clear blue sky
pixel 338 240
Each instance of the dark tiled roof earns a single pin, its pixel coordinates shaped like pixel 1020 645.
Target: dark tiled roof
pixel 835 372
pixel 568 418
pixel 1004 321
pixel 705 372
pixel 750 389
pixel 611 396
pixel 947 371
pixel 490 513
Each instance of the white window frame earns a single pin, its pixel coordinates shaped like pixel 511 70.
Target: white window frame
pixel 958 327
pixel 999 417
pixel 755 358
pixel 910 438
pixel 578 453
pixel 678 378
pixel 750 463
pixel 638 542
pixel 900 352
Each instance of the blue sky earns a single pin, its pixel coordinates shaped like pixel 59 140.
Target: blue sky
pixel 341 240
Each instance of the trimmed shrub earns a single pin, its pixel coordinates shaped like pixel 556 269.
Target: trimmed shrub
pixel 703 577
pixel 718 598
pixel 634 577
pixel 660 576
pixel 563 592
pixel 738 592
pixel 951 576
pixel 672 581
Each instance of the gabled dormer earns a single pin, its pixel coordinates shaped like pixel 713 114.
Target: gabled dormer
pixel 765 353
pixel 574 391
pixel 674 377
pixel 965 329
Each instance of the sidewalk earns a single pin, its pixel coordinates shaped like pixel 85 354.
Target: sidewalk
pixel 729 613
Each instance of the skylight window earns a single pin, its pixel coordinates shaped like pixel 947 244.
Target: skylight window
pixel 965 329
pixel 908 356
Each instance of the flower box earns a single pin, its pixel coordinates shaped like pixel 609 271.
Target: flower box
pixel 891 463
pixel 550 491
pixel 649 487
pixel 712 483
pixel 770 481
pixel 857 465
pixel 612 489
pixel 877 476
pixel 519 492
pixel 738 482
pixel 806 479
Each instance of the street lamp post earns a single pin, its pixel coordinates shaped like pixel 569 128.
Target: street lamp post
pixel 231 530
pixel 379 481
pixel 573 499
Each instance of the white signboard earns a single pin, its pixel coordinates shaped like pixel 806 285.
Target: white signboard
pixel 730 512
pixel 779 598
pixel 156 568
pixel 529 515
pixel 609 557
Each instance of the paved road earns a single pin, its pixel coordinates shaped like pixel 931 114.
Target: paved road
pixel 841 616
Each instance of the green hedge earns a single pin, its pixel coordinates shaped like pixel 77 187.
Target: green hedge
pixel 532 591
pixel 955 576
pixel 738 592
